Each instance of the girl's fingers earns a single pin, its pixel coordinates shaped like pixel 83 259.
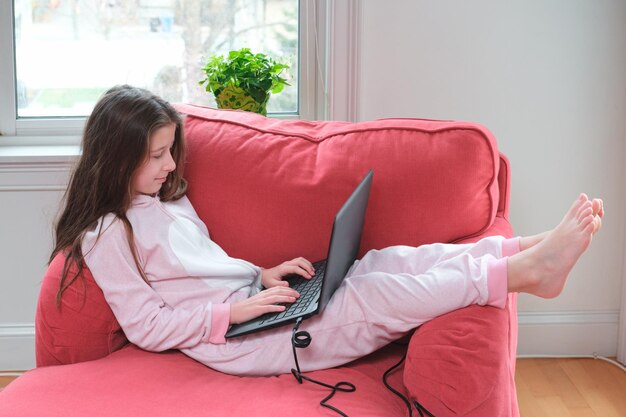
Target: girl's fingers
pixel 278 291
pixel 282 299
pixel 306 273
pixel 302 263
pixel 297 269
pixel 267 301
pixel 273 303
pixel 308 266
pixel 301 269
pixel 306 263
pixel 272 309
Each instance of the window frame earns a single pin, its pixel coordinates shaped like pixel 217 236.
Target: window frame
pixel 67 131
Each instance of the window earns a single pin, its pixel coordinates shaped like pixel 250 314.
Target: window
pixel 68 52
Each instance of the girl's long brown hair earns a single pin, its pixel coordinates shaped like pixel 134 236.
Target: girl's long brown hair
pixel 115 143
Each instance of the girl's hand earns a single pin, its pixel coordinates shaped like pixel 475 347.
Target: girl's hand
pixel 273 277
pixel 264 302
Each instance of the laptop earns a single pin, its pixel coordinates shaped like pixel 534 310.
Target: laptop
pixel 315 293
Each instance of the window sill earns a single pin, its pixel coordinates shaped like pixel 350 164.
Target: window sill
pixel 14 150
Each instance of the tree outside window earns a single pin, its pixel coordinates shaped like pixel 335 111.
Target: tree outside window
pixel 68 52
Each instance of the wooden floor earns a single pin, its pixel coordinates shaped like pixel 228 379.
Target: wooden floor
pixel 570 387
pixel 561 388
pixel 4 381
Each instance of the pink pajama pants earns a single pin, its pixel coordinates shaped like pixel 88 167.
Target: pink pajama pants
pixel 385 295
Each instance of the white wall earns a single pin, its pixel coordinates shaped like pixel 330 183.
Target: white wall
pixel 549 79
pixel 30 191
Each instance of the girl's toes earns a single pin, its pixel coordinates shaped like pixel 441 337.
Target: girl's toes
pixel 597 223
pixel 584 214
pixel 596 204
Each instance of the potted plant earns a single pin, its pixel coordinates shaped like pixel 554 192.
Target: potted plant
pixel 243 80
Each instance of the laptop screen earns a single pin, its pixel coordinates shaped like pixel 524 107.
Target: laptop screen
pixel 345 239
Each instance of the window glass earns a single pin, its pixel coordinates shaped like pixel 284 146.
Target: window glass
pixel 68 52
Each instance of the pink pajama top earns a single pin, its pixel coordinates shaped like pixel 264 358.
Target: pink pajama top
pixel 192 280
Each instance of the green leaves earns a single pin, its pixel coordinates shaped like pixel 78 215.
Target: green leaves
pixel 257 74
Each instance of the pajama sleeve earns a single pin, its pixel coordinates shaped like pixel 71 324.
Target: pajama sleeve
pixel 146 319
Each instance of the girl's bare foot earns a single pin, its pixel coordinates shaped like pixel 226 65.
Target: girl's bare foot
pixel 530 241
pixel 597 205
pixel 542 268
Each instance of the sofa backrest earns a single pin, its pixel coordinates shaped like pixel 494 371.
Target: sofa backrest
pixel 268 189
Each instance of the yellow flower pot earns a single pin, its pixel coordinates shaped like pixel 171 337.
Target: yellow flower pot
pixel 232 97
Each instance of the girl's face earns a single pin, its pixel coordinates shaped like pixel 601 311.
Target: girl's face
pixel 151 175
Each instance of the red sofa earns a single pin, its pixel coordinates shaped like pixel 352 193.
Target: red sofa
pixel 268 190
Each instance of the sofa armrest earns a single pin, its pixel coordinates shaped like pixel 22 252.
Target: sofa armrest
pixel 82 328
pixel 504 183
pixel 463 363
pixel 460 364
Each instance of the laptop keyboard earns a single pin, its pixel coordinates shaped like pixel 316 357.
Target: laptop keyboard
pixel 308 290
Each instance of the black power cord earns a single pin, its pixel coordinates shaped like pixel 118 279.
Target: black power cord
pixel 302 339
pixel 419 407
pixel 392 389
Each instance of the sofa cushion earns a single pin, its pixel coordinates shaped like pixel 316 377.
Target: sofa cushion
pixel 268 189
pixel 81 328
pixel 132 382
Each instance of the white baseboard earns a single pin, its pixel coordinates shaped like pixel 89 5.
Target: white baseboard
pixel 17 347
pixel 549 333
pixel 568 333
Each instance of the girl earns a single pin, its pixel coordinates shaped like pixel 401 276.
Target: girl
pixel 126 217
